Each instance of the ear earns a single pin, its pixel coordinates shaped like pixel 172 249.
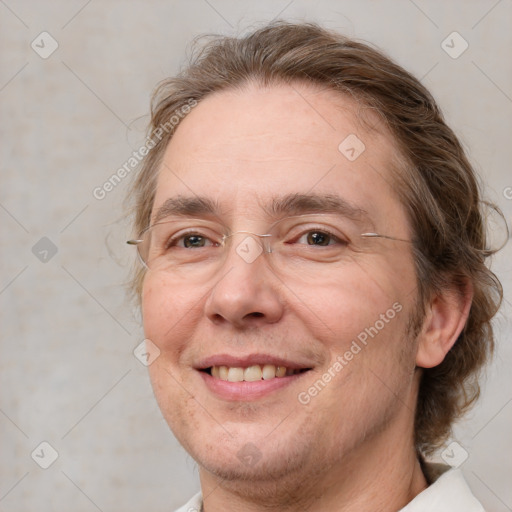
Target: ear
pixel 445 317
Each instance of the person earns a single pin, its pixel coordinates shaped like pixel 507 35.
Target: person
pixel 314 287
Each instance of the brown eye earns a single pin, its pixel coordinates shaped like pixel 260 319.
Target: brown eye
pixel 194 241
pixel 318 238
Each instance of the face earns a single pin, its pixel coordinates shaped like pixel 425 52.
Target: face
pixel 336 331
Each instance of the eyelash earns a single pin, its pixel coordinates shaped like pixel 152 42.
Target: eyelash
pixel 324 231
pixel 176 239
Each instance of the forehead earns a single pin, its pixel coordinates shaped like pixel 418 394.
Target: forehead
pixel 300 115
pixel 242 146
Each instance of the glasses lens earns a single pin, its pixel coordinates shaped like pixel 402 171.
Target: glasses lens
pixel 304 247
pixel 167 246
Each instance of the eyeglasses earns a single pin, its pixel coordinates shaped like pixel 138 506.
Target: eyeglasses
pixel 303 246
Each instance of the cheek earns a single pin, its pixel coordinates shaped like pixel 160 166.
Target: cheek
pixel 167 323
pixel 167 313
pixel 371 357
pixel 154 304
pixel 353 301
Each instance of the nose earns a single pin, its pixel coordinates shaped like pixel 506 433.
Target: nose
pixel 247 291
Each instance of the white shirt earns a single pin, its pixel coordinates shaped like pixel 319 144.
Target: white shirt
pixel 448 493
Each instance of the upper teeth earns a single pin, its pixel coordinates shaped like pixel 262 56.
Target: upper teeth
pixel 251 373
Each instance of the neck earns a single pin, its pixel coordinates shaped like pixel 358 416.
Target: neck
pixel 382 474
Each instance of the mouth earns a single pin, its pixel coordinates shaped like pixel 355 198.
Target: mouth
pixel 252 373
pixel 249 378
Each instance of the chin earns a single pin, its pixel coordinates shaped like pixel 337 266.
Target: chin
pixel 249 464
pixel 250 453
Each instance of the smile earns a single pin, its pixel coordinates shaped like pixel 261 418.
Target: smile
pixel 251 377
pixel 252 373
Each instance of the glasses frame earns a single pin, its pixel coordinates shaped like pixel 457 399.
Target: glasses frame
pixel 137 241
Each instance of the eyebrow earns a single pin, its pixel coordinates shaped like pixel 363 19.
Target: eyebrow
pixel 184 206
pixel 276 208
pixel 298 204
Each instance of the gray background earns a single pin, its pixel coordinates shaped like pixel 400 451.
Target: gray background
pixel 68 375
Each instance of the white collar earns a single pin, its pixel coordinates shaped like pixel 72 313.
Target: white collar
pixel 448 493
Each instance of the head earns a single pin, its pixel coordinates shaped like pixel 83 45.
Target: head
pixel 273 123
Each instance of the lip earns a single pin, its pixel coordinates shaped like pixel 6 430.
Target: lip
pixel 247 391
pixel 250 360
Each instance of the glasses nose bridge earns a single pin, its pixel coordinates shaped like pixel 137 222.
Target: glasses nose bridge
pixel 265 238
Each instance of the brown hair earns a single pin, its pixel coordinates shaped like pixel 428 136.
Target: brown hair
pixel 436 183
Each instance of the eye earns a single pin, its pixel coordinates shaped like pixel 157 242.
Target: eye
pixel 194 241
pixel 320 237
pixel 190 240
pixel 316 238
